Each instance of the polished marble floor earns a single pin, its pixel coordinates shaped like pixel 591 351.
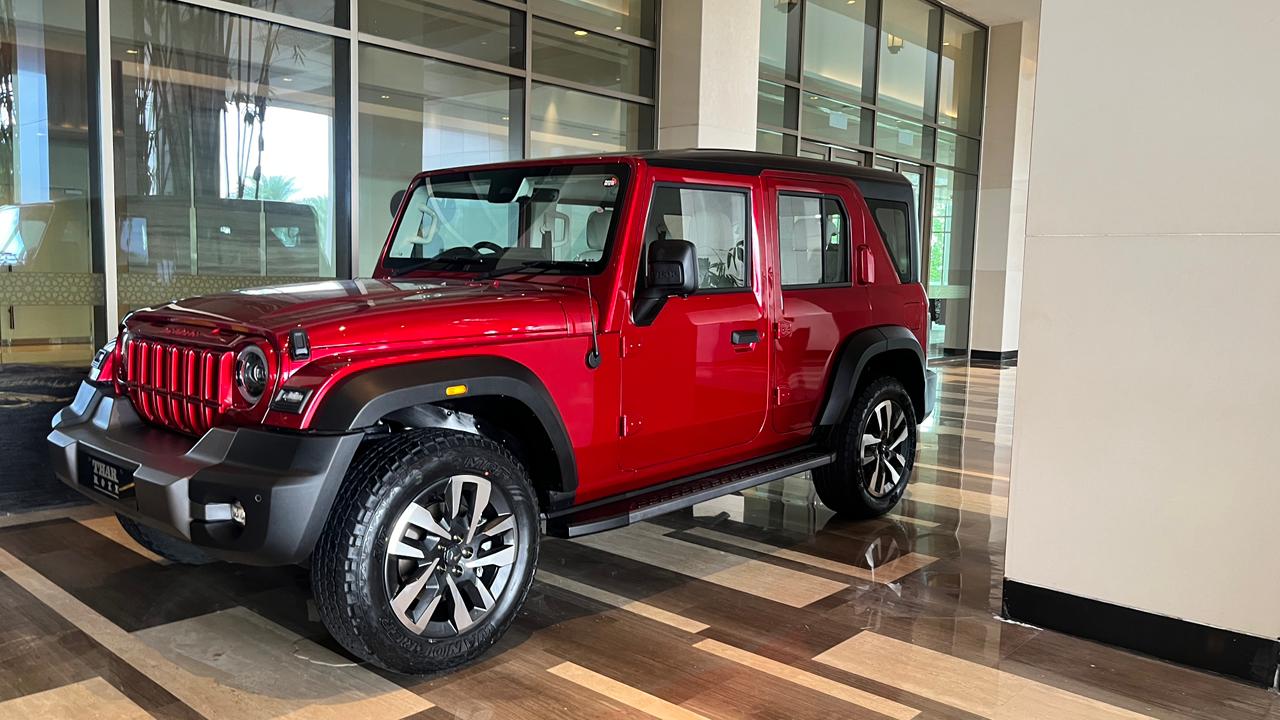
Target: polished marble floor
pixel 759 605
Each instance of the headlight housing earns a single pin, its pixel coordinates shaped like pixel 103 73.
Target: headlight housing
pixel 251 374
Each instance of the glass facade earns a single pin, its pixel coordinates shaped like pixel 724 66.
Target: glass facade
pixel 896 84
pixel 252 142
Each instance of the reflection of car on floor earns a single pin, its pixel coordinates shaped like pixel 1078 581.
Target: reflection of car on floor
pixel 566 346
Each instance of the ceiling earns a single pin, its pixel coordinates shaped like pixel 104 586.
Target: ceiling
pixel 997 12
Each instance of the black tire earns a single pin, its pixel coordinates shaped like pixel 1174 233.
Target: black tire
pixel 356 572
pixel 166 546
pixel 857 489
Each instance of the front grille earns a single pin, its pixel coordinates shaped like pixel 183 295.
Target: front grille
pixel 182 388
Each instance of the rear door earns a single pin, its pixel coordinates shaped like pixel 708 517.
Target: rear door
pixel 695 379
pixel 814 228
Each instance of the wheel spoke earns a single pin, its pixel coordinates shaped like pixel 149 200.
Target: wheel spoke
pixel 893 473
pixel 874 485
pixel 410 595
pixel 461 615
pixel 419 516
pixel 902 436
pixel 484 598
pixel 496 528
pixel 479 501
pixel 501 558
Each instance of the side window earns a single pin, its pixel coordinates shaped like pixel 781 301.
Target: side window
pixel 715 221
pixel 893 219
pixel 813 238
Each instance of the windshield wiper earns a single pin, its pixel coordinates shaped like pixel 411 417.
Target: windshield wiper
pixel 427 263
pixel 518 267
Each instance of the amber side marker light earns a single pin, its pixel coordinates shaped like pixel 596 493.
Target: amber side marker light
pixel 454 390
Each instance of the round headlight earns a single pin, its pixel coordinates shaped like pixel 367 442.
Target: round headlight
pixel 251 373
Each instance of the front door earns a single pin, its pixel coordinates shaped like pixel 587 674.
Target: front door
pixel 695 379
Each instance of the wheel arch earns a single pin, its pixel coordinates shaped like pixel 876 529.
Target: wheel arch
pixel 889 350
pixel 507 400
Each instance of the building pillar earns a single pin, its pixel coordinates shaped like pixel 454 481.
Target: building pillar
pixel 708 81
pixel 1002 199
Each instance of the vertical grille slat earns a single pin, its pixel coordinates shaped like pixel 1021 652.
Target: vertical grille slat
pixel 176 386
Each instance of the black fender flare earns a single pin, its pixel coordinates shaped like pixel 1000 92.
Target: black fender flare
pixel 858 350
pixel 361 400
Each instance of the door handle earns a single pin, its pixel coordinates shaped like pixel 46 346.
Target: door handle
pixel 745 337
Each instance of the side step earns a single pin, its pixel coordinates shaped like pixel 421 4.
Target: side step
pixel 622 510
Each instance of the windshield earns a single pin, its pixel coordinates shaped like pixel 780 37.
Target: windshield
pixel 556 219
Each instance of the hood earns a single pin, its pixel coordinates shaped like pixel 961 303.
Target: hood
pixel 353 312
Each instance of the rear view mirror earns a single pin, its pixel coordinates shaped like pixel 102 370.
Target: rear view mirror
pixel 395 202
pixel 672 268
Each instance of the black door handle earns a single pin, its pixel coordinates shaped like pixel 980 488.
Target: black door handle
pixel 745 337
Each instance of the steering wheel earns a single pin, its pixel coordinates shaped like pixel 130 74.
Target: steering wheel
pixel 460 251
pixel 492 247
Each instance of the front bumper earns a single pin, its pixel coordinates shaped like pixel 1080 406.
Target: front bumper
pixel 285 482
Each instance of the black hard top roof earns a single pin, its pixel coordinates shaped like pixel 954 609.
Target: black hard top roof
pixel 748 162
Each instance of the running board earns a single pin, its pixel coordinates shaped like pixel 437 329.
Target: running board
pixel 622 510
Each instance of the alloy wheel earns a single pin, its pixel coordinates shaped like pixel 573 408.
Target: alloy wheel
pixel 883 449
pixel 449 556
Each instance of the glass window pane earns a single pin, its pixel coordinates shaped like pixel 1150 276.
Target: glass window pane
pixel 634 17
pixel 465 27
pixel 835 48
pixel 224 147
pixel 569 122
pixel 47 282
pixel 776 105
pixel 893 219
pixel 322 11
pixel 715 221
pixel 777 54
pixel 838 122
pixel 813 239
pixel 964 50
pixel 584 57
pixel 908 63
pixel 902 137
pixel 422 114
pixel 775 142
pixel 957 150
pixel 950 271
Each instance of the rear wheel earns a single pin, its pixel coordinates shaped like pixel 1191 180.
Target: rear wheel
pixel 166 546
pixel 875 452
pixel 429 551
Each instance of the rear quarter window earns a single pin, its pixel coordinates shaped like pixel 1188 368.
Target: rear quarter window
pixel 894 222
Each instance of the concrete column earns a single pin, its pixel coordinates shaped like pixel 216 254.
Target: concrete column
pixel 710 55
pixel 1002 200
pixel 1146 393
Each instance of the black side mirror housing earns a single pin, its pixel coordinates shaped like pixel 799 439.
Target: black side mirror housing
pixel 396 200
pixel 671 269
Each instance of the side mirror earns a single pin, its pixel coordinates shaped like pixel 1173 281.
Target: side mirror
pixel 672 268
pixel 396 200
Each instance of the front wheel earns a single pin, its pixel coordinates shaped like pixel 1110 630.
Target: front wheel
pixel 875 452
pixel 429 551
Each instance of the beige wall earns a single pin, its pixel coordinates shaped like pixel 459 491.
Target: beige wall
pixel 1002 198
pixel 1146 396
pixel 710 54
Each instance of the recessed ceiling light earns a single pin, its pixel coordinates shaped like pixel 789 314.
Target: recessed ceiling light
pixel 287 79
pixel 132 51
pixel 385 97
pixel 617 27
pixel 506 117
pixel 595 134
pixel 947 42
pixel 580 33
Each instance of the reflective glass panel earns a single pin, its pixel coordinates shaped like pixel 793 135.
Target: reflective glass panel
pixel 470 28
pixel 908 63
pixel 950 269
pixel 836 121
pixel 568 122
pixel 224 151
pixel 836 48
pixel 775 105
pixel 422 114
pixel 777 54
pixel 634 17
pixel 957 150
pixel 902 137
pixel 321 11
pixel 964 49
pixel 581 56
pixel 48 290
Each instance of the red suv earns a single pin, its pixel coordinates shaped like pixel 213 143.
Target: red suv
pixel 564 345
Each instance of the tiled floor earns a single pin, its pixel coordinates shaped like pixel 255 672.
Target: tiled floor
pixel 758 605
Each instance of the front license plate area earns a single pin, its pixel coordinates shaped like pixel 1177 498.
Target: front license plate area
pixel 106 477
